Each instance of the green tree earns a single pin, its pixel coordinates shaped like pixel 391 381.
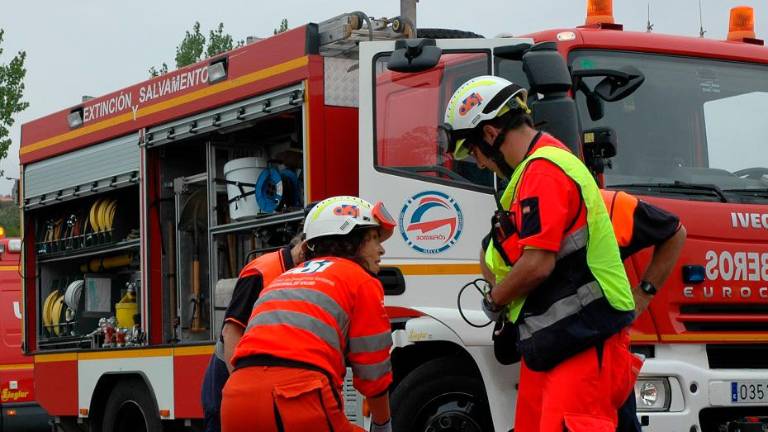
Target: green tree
pixel 153 71
pixel 191 47
pixel 218 42
pixel 11 91
pixel 283 26
pixel 9 218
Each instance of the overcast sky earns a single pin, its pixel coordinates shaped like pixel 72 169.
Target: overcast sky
pixel 92 47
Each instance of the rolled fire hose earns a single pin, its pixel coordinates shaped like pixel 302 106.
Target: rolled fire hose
pixel 269 190
pixel 56 310
pixel 47 310
pixel 98 264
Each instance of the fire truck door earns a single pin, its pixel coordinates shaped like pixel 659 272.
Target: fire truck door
pixel 442 206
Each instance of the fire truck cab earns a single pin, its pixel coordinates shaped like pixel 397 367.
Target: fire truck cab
pixel 17 394
pixel 140 207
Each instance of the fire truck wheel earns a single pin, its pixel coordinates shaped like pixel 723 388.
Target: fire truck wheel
pixel 439 397
pixel 130 408
pixel 438 33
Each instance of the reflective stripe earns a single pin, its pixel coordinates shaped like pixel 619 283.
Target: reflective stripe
pixel 300 321
pixel 370 372
pixel 315 297
pixel 573 242
pixel 371 343
pixel 561 309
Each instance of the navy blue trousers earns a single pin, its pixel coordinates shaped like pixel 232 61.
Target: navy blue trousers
pixel 216 376
pixel 628 421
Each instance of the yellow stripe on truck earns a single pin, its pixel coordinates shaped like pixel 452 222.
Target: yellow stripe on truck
pixel 51 358
pixel 438 269
pixel 170 103
pixel 18 366
pixel 125 353
pixel 194 350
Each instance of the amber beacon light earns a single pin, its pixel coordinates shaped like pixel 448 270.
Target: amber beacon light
pixel 599 12
pixel 742 24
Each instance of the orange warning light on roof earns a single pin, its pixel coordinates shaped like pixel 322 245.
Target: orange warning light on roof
pixel 742 24
pixel 599 12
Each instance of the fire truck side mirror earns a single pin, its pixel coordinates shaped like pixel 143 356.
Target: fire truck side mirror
pixel 619 84
pixel 414 55
pixel 546 70
pixel 554 110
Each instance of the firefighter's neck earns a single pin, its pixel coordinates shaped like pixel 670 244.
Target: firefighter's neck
pixel 516 144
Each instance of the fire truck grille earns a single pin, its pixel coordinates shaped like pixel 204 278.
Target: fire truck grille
pixel 724 317
pixel 737 356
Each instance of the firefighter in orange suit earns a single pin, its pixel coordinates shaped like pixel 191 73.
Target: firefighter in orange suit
pixel 311 322
pixel 558 276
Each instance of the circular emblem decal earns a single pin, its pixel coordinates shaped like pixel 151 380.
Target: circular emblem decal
pixel 431 222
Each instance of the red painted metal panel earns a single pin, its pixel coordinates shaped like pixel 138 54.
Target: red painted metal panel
pixel 56 387
pixel 25 389
pixel 30 318
pixel 318 150
pixel 394 312
pixel 655 43
pixel 188 371
pixel 342 163
pixel 333 137
pixel 276 52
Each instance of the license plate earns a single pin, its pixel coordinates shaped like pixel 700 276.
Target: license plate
pixel 749 391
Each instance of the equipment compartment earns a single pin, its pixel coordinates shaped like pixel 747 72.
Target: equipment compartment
pixel 226 196
pixel 87 254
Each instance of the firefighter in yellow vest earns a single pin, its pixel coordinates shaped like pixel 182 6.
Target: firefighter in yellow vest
pixel 558 274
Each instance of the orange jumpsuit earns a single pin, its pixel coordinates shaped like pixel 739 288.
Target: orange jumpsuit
pixel 305 328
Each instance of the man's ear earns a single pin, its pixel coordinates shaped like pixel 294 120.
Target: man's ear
pixel 490 133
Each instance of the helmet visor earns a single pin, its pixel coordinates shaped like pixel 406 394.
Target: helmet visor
pixel 385 219
pixel 457 143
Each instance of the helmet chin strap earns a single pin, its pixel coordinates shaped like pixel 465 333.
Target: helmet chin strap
pixel 493 152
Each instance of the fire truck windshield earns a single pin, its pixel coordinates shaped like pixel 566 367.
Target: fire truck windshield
pixel 695 129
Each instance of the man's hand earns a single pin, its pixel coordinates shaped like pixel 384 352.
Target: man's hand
pixel 386 427
pixel 231 334
pixel 491 309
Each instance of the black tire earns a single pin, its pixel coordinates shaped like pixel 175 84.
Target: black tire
pixel 438 33
pixel 131 408
pixel 439 396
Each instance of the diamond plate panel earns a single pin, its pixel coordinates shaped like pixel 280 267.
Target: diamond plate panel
pixel 341 81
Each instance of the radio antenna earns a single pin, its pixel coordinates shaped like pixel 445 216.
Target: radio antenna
pixel 648 25
pixel 701 22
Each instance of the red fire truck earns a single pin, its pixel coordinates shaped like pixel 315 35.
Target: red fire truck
pixel 140 206
pixel 17 394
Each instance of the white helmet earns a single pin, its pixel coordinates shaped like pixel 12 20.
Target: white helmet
pixel 339 215
pixel 481 98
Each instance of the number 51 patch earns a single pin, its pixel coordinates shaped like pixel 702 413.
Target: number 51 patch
pixel 309 267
